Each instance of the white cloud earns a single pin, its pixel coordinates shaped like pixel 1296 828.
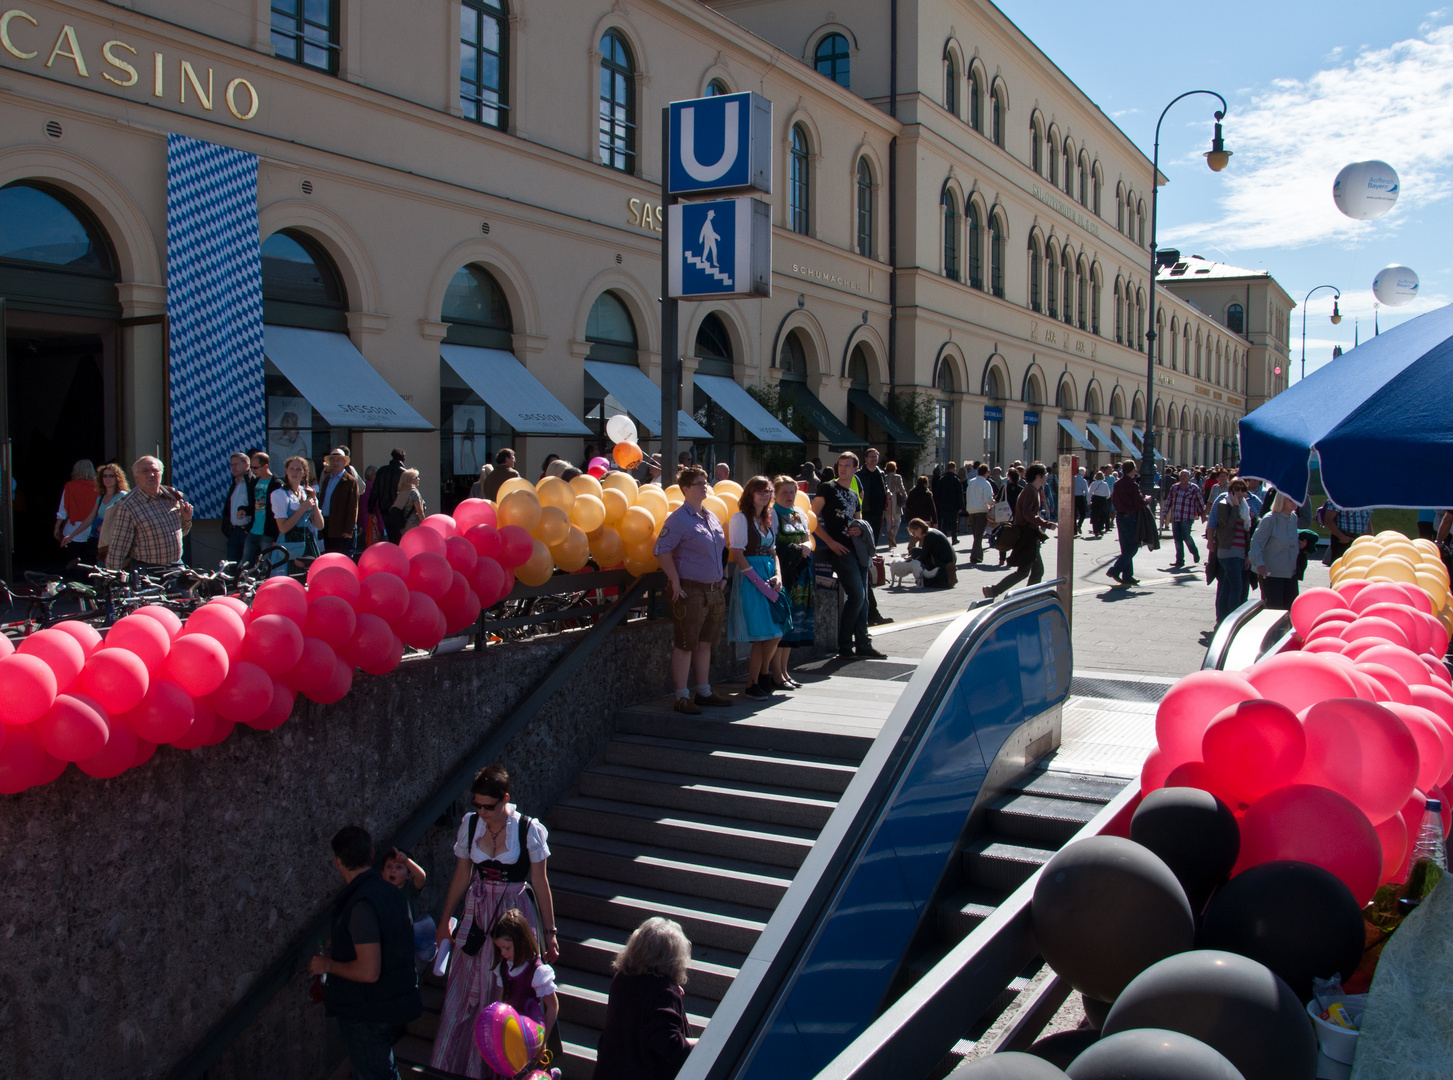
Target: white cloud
pixel 1393 103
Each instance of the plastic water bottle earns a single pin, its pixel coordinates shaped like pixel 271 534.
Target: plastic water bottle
pixel 1430 843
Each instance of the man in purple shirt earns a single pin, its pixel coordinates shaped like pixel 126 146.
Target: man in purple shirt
pixel 1127 500
pixel 690 547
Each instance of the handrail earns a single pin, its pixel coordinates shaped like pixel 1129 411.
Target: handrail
pixel 741 1020
pixel 1230 646
pixel 237 1019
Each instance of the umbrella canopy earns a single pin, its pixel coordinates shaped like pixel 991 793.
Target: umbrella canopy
pixel 1379 417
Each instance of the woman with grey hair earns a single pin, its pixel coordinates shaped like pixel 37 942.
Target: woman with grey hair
pixel 645 1036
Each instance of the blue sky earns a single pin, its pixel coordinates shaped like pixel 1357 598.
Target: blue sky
pixel 1311 87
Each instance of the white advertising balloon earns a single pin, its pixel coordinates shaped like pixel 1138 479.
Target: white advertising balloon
pixel 1395 286
pixel 1366 189
pixel 620 428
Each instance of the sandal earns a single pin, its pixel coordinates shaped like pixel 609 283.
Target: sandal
pixel 788 683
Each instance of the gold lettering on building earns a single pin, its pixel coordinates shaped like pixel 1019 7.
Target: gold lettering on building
pixel 830 278
pixel 189 75
pixel 8 42
pixel 642 213
pixel 108 51
pixel 158 75
pixel 67 36
pixel 231 96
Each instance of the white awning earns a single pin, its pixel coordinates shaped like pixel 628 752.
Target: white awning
pixel 519 398
pixel 1106 442
pixel 1075 433
pixel 634 389
pixel 337 381
pixel 744 409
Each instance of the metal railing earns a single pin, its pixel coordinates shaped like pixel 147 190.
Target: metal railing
pixel 566 599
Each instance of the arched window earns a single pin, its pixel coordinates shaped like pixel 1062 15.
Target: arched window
pixel 1236 319
pixel 1064 397
pixel 1186 348
pixel 1036 150
pixel 1067 264
pixel 1119 312
pixel 1097 185
pixel 996 255
pixel 944 412
pixel 1120 208
pixel 1030 432
pixel 1069 167
pixel 976 120
pixel 1140 223
pixel 946 377
pixel 1051 152
pixel 1159 338
pixel 611 331
pixel 41 226
pixel 617 103
pixel 996 116
pixel 858 368
pixel 1036 272
pixel 950 235
pixel 950 82
pixel 716 88
pixel 1174 342
pixel 1198 354
pixel 1140 320
pixel 714 349
pixel 976 246
pixel 1084 179
pixel 300 285
pixel 865 208
pixel 484 61
pixel 1097 287
pixel 1082 289
pixel 476 310
pixel 792 358
pixel 1051 281
pixel 798 182
pixel 831 58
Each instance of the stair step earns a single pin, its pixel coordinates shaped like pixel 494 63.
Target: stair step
pixel 672 725
pixel 777 845
pixel 733 798
pixel 713 923
pixel 583 997
pixel 592 947
pixel 687 873
pixel 1065 785
pixel 1040 819
pixel 991 863
pixel 579 1043
pixel 803 771
pixel 963 910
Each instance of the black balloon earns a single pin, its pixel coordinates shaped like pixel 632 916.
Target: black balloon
pixel 1063 1047
pixel 1007 1067
pixel 1193 832
pixel 1152 1054
pixel 1104 910
pixel 1095 1010
pixel 1229 1002
pixel 1297 919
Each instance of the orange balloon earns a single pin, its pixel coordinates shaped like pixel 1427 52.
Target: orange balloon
pixel 519 508
pixel 653 499
pixel 627 455
pixel 616 504
pixel 585 484
pixel 588 513
pixel 641 569
pixel 625 483
pixel 643 552
pixel 638 525
pixel 538 568
pixel 607 546
pixel 572 552
pixel 512 485
pixel 552 527
pixel 553 491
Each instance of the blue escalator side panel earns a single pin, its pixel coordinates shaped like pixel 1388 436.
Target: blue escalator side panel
pixel 1020 670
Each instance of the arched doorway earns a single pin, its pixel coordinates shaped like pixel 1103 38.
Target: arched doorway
pixel 611 332
pixel 993 418
pixel 470 432
pixel 59 355
pixel 858 380
pixel 943 431
pixel 1033 398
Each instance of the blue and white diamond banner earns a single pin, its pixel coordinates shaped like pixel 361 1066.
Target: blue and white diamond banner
pixel 214 307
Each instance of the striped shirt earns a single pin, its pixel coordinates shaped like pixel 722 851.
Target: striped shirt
pixel 149 531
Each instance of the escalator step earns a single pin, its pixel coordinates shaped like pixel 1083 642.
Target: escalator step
pixel 1040 819
pixel 991 863
pixel 1067 785
pixel 965 909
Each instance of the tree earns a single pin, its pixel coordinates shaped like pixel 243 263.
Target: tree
pixel 918 411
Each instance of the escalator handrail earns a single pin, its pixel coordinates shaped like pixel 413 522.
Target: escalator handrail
pixel 744 1015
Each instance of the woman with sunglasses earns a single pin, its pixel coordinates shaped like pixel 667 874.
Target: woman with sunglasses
pixel 501 866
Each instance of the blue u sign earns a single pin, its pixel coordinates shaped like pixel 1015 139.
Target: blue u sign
pixel 721 143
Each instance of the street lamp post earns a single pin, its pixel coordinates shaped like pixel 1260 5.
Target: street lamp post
pixel 1216 158
pixel 1336 318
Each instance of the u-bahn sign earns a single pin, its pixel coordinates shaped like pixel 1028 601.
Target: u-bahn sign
pixel 720 248
pixel 721 143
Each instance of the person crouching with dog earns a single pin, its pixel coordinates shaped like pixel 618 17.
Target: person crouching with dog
pixel 931 561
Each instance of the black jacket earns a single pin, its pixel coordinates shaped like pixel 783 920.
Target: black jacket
pixel 394 998
pixel 385 485
pixel 226 515
pixel 875 496
pixel 948 496
pixel 645 1030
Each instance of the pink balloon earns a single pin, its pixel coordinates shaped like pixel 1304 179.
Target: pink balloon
pixel 334 581
pixel 384 595
pixel 443 524
pixel 383 558
pixel 331 559
pixel 1299 679
pixel 274 598
pixel 221 726
pixel 515 547
pixel 1362 751
pixel 1330 644
pixel 117 678
pixel 145 637
pixel 1393 686
pixel 457 593
pixel 598 467
pixel 1336 614
pixel 472 512
pixel 1194 774
pixel 371 643
pixel 1445 808
pixel 24 762
pixel 61 652
pixel 74 728
pixel 390 659
pixel 1189 707
pixel 245 694
pixel 280 704
pixel 1424 728
pixel 1309 605
pixel 168 618
pixel 115 757
pixel 461 616
pixel 1392 837
pixel 145 751
pixel 218 621
pixel 421 540
pixel 484 539
pixel 431 575
pixel 236 603
pixel 417 625
pixel 1251 749
pixel 1368 688
pixel 1408 619
pixel 1315 825
pixel 1407 664
pixel 1440 705
pixel 1350 590
pixel 1436 668
pixel 313 669
pixel 198 664
pixel 274 643
pixel 331 619
pixel 461 554
pixel 1378 592
pixel 204 722
pixel 337 686
pixel 491 582
pixel 1373 627
pixel 166 713
pixel 85 634
pixel 1438 639
pixel 1420 599
pixel 1332 628
pixel 1353 650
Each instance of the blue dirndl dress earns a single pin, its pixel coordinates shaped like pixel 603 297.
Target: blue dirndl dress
pixel 749 615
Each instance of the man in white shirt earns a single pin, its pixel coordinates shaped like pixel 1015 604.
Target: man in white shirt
pixel 978 499
pixel 1099 505
pixel 1082 498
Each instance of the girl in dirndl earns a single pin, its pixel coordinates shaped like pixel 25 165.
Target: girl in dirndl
pixel 794 560
pixel 752 540
pixel 526 983
pixel 501 867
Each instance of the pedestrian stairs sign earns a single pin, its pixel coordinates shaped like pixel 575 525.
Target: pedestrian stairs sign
pixel 721 249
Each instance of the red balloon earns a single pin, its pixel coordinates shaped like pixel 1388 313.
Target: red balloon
pixel 1310 604
pixel 331 559
pixel 274 643
pixel 236 603
pixel 461 616
pixel 1378 592
pixel 1423 725
pixel 442 524
pixel 203 729
pixel 6 645
pixel 171 622
pixel 222 727
pixel 491 582
pixel 1413 671
pixel 1300 679
pixel 24 762
pixel 165 713
pixel 289 601
pixel 472 512
pixel 198 663
pixel 279 708
pixel 457 592
pixel 384 595
pixel 115 757
pixel 337 686
pixel 391 658
pixel 1195 774
pixel 431 575
pixel 383 558
pixel 313 669
pixel 515 547
pixel 217 620
pixel 1380 630
pixel 1408 619
pixel 1189 707
pixel 61 652
pixel 1353 650
pixel 245 694
pixel 1362 751
pixel 1440 705
pixel 116 678
pixel 1387 680
pixel 145 637
pixel 330 619
pixel 74 728
pixel 370 643
pixel 84 633
pixel 1253 748
pixel 1351 589
pixel 429 540
pixel 1330 644
pixel 1439 644
pixel 1331 628
pixel 417 625
pixel 461 554
pixel 485 540
pixel 145 751
pixel 1315 825
pixel 334 581
pixel 1392 836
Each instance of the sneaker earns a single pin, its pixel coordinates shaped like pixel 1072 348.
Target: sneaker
pixel 871 653
pixel 687 706
pixel 765 684
pixel 716 697
pixel 755 693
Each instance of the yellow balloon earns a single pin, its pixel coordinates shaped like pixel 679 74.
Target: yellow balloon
pixel 572 552
pixel 512 485
pixel 1436 588
pixel 801 501
pixel 1434 568
pixel 811 522
pixel 552 527
pixel 519 508
pixel 1389 534
pixel 1394 569
pixel 1363 541
pixel 727 490
pixel 1405 549
pixel 622 482
pixel 607 546
pixel 638 525
pixel 673 505
pixel 650 495
pixel 585 484
pixel 556 492
pixel 641 553
pixel 717 507
pixel 1426 546
pixel 641 569
pixel 674 493
pixel 588 513
pixel 1446 618
pixel 538 568
pixel 616 504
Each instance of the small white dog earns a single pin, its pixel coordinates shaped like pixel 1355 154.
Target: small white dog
pixel 904 568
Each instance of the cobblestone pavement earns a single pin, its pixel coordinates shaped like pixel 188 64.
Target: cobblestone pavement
pixel 1159 627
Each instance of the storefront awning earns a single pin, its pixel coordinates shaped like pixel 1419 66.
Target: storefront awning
pixel 337 381
pixel 1075 433
pixel 744 409
pixel 1126 442
pixel 640 397
pixel 518 397
pixel 838 435
pixel 1139 434
pixel 876 411
pixel 1106 443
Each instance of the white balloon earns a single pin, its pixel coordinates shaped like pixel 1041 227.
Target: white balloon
pixel 1366 189
pixel 1395 285
pixel 620 428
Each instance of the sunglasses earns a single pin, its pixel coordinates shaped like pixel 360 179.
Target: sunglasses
pixel 486 807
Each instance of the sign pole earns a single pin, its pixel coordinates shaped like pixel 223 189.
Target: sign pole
pixel 670 332
pixel 1065 569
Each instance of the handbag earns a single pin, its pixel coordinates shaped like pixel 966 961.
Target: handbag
pixel 1000 513
pixel 876 575
pixel 1006 537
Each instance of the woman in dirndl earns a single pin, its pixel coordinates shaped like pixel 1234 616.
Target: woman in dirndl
pixel 751 615
pixel 794 561
pixel 501 867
